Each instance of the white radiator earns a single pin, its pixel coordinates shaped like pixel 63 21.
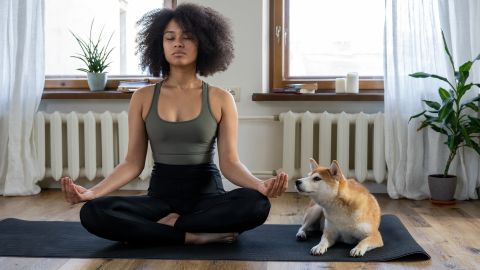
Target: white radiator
pixel 74 139
pixel 307 135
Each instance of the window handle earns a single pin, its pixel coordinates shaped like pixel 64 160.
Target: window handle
pixel 278 31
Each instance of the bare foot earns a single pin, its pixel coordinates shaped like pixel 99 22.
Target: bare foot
pixel 205 238
pixel 169 219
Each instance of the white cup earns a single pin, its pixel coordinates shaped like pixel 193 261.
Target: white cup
pixel 340 85
pixel 352 82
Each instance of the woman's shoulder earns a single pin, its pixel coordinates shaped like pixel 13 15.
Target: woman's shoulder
pixel 143 94
pixel 142 98
pixel 144 91
pixel 219 93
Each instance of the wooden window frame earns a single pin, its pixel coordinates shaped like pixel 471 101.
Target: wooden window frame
pixel 76 86
pixel 279 56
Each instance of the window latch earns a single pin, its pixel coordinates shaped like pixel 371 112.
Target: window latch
pixel 278 31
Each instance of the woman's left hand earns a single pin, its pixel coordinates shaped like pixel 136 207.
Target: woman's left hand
pixel 274 186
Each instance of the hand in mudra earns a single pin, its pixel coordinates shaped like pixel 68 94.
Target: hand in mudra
pixel 274 186
pixel 75 193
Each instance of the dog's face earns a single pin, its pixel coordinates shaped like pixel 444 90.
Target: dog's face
pixel 321 182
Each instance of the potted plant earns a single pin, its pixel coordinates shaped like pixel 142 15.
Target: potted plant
pixel 95 58
pixel 450 117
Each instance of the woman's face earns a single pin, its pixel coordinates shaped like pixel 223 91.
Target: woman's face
pixel 180 47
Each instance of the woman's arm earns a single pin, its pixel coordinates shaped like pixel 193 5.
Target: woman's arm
pixel 127 170
pixel 230 164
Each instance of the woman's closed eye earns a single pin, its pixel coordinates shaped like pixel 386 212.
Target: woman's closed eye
pixel 169 37
pixel 184 37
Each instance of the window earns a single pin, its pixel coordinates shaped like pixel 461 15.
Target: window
pixel 114 16
pixel 320 40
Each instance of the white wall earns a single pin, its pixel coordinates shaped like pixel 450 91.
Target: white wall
pixel 259 141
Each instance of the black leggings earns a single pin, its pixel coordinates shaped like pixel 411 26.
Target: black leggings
pixel 201 208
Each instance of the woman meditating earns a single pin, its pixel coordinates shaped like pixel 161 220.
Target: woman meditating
pixel 184 118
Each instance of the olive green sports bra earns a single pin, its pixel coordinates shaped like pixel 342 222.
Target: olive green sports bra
pixel 185 142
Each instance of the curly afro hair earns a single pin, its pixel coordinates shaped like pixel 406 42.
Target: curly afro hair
pixel 210 28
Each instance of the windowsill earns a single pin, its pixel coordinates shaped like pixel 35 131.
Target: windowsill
pixel 69 87
pixel 84 94
pixel 324 95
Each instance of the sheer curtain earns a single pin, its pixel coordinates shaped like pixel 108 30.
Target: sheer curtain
pixel 413 42
pixel 22 75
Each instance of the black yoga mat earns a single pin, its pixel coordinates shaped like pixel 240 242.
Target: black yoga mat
pixel 268 242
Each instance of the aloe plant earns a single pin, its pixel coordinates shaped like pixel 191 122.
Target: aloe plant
pixel 93 55
pixel 450 117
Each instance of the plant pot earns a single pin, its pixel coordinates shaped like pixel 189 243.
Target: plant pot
pixel 97 81
pixel 442 189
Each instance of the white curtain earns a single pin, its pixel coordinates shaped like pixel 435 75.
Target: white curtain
pixel 22 75
pixel 413 43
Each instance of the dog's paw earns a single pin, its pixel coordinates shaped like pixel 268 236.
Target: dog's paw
pixel 319 249
pixel 301 236
pixel 358 251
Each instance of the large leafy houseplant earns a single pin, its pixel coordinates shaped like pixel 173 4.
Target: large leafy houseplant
pixel 95 57
pixel 450 117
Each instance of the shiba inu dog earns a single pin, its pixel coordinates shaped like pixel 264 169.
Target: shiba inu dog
pixel 348 211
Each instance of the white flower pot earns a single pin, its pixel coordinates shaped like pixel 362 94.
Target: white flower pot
pixel 97 81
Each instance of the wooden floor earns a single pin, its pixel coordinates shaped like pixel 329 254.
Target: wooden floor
pixel 450 234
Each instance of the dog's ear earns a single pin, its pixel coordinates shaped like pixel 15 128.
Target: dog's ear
pixel 313 164
pixel 335 169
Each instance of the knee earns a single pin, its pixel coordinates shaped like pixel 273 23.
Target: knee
pixel 90 213
pixel 259 205
pixel 262 207
pixel 87 214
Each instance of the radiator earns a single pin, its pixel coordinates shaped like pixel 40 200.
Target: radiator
pixel 358 145
pixel 68 144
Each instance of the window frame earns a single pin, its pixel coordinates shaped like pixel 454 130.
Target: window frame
pixel 279 56
pixel 68 86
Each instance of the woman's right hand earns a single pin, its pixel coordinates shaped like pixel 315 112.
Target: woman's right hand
pixel 75 193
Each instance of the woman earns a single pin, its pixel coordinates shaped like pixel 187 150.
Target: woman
pixel 182 117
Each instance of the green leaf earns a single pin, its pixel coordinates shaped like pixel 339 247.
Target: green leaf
pixel 426 75
pixel 462 89
pixel 423 125
pixel 417 115
pixel 443 94
pixel 451 142
pixel 445 110
pixel 475 146
pixel 474 121
pixel 448 52
pixel 464 72
pixel 438 129
pixel 472 129
pixel 466 136
pixel 450 119
pixel 477 58
pixel 443 79
pixel 420 75
pixel 432 104
pixel 472 106
pixel 431 119
pixel 466 66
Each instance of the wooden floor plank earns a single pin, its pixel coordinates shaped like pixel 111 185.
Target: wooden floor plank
pixel 450 234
